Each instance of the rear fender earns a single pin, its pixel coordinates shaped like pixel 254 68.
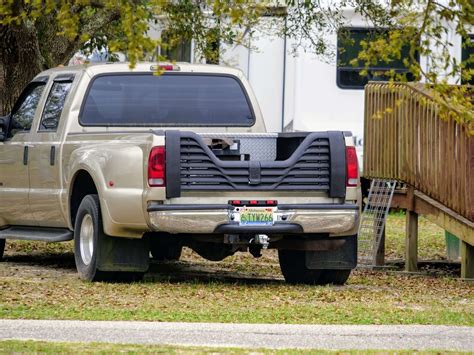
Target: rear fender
pixel 117 171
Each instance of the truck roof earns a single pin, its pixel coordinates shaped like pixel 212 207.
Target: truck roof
pixel 124 67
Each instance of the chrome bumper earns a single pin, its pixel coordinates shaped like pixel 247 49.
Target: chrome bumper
pixel 331 219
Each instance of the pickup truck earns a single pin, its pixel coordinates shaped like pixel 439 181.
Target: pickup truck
pixel 134 164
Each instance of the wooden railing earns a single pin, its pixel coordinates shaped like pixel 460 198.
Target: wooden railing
pixel 405 139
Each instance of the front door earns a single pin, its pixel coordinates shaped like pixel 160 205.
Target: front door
pixel 14 159
pixel 46 186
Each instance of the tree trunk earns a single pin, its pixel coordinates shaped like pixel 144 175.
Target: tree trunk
pixel 28 48
pixel 20 61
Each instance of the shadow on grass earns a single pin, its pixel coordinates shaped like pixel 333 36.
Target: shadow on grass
pixel 173 272
pixel 62 261
pixel 183 271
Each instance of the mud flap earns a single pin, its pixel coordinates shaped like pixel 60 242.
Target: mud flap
pixel 343 258
pixel 123 254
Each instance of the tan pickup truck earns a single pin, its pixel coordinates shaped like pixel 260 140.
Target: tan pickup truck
pixel 128 163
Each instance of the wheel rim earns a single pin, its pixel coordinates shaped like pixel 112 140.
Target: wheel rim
pixel 86 239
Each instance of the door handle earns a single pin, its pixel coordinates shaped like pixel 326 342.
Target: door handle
pixel 25 155
pixel 52 155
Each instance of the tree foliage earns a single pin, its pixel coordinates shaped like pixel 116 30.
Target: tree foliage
pixel 40 34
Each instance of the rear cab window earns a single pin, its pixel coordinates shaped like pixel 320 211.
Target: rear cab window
pixel 166 100
pixel 55 103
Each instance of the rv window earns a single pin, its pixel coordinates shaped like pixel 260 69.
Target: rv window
pixel 468 58
pixel 213 46
pixel 348 47
pixel 175 50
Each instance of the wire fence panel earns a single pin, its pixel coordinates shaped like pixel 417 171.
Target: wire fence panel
pixel 373 219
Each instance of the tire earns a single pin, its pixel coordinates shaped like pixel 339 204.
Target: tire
pixel 88 230
pixel 335 277
pixel 2 248
pixel 293 268
pixel 165 252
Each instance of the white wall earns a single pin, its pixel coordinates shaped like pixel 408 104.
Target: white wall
pixel 262 63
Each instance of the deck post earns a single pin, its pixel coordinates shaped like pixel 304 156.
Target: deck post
pixel 467 261
pixel 411 241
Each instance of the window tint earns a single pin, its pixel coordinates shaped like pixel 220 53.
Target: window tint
pixel 168 99
pixel 25 108
pixel 468 58
pixel 348 48
pixel 54 106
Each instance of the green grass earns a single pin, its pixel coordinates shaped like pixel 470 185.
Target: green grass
pixel 39 281
pixel 30 346
pixel 431 242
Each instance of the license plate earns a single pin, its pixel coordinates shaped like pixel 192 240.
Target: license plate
pixel 256 216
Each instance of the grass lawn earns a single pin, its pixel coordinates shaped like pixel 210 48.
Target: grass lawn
pixel 14 346
pixel 39 281
pixel 431 241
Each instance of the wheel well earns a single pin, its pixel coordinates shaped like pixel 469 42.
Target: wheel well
pixel 83 185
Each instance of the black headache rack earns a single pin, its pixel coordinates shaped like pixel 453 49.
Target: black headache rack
pixel 318 163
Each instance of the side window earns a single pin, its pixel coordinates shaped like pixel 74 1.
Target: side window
pixel 348 48
pixel 54 106
pixel 25 108
pixel 468 60
pixel 179 51
pixel 212 46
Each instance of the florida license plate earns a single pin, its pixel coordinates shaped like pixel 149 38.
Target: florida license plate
pixel 256 216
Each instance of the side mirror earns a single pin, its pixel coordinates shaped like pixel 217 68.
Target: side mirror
pixel 4 123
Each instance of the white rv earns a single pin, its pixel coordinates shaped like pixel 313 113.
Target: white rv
pixel 301 92
pixel 298 91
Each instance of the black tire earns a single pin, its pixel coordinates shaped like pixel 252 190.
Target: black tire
pixel 87 260
pixel 293 268
pixel 88 230
pixel 335 277
pixel 2 248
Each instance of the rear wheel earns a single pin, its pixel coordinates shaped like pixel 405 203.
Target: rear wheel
pixel 293 268
pixel 88 232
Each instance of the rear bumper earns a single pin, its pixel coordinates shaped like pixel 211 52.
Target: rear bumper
pixel 334 220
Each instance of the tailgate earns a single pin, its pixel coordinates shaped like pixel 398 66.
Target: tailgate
pixel 285 164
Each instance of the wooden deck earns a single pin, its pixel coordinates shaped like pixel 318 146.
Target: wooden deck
pixel 407 140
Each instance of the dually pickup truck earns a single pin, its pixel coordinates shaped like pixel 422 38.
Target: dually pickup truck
pixel 132 165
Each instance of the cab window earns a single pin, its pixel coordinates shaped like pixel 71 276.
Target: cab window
pixel 25 108
pixel 54 106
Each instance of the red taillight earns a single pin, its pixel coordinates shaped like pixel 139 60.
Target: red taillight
pixel 164 67
pixel 157 167
pixel 352 172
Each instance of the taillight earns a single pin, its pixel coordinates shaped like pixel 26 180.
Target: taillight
pixel 164 67
pixel 352 172
pixel 157 167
